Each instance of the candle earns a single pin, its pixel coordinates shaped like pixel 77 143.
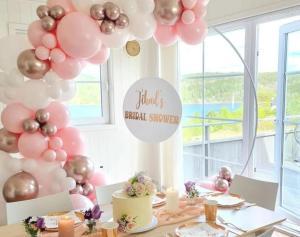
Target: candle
pixel 172 200
pixel 66 227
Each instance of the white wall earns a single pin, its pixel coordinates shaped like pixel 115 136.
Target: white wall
pixel 109 145
pixel 221 11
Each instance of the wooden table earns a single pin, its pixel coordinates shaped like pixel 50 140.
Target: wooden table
pixel 253 219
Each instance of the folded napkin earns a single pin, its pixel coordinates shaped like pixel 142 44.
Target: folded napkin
pixel 51 222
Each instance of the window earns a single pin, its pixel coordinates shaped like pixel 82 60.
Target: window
pixel 218 104
pixel 91 102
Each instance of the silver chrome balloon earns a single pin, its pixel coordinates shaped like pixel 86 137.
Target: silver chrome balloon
pixel 97 12
pixel 122 22
pixel 57 12
pixel 42 11
pixel 168 12
pixel 107 27
pixel 112 11
pixel 30 125
pixel 49 130
pixel 42 116
pixel 48 23
pixel 8 141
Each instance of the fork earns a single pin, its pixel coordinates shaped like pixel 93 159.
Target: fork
pixel 245 206
pixel 230 224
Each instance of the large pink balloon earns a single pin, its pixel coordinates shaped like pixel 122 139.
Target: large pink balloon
pixel 193 33
pixel 101 57
pixel 199 9
pixel 165 35
pixel 13 116
pixel 78 35
pixel 98 178
pixel 68 69
pixel 66 4
pixel 32 145
pixel 81 202
pixel 72 141
pixel 35 33
pixel 59 114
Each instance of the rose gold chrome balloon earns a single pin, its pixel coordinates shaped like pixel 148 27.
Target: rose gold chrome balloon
pixel 225 173
pixel 30 125
pixel 107 27
pixel 42 11
pixel 57 12
pixel 30 66
pixel 112 11
pixel 42 116
pixel 221 184
pixel 97 12
pixel 48 23
pixel 8 141
pixel 122 22
pixel 87 189
pixel 49 130
pixel 80 168
pixel 19 187
pixel 168 12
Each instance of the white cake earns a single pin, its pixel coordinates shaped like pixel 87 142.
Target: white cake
pixel 139 208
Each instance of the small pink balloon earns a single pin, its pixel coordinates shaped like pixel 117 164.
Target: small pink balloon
pixel 199 9
pixel 61 155
pixel 189 4
pixel 49 155
pixel 193 33
pixel 42 53
pixel 13 116
pixel 49 41
pixel 188 17
pixel 59 114
pixel 98 178
pixel 66 4
pixel 78 35
pixel 73 143
pixel 57 55
pixel 55 143
pixel 68 69
pixel 32 145
pixel 165 35
pixel 81 202
pixel 101 57
pixel 35 33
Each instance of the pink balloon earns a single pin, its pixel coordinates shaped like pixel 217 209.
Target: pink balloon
pixel 193 33
pixel 101 57
pixel 81 202
pixel 68 69
pixel 55 143
pixel 208 185
pixel 78 35
pixel 61 155
pixel 49 41
pixel 188 17
pixel 42 53
pixel 189 4
pixel 32 145
pixel 66 4
pixel 98 178
pixel 57 55
pixel 165 35
pixel 199 9
pixel 59 114
pixel 35 33
pixel 73 143
pixel 49 155
pixel 13 116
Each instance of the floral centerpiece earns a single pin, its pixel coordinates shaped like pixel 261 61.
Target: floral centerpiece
pixel 91 216
pixel 139 186
pixel 190 190
pixel 34 225
pixel 126 223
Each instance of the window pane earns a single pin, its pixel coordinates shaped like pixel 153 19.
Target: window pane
pixel 90 73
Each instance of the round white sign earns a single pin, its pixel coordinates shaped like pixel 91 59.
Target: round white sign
pixel 152 110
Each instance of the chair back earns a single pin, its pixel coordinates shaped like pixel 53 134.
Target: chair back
pixel 262 193
pixel 104 193
pixel 18 211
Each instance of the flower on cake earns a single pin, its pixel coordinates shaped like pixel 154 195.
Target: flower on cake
pixel 190 189
pixel 126 223
pixel 139 186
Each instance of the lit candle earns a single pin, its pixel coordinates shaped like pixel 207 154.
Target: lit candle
pixel 66 227
pixel 172 200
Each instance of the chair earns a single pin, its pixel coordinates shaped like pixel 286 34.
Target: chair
pixel 260 192
pixel 104 193
pixel 18 211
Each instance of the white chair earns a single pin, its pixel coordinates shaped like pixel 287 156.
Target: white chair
pixel 262 193
pixel 104 193
pixel 18 211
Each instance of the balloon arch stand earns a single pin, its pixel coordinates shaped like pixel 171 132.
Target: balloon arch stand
pixel 37 74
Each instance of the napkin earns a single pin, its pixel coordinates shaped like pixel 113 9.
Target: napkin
pixel 51 222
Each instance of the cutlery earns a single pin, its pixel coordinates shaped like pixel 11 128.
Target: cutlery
pixel 245 206
pixel 229 224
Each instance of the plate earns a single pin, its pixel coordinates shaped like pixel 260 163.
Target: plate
pixel 200 229
pixel 159 200
pixel 151 226
pixel 227 200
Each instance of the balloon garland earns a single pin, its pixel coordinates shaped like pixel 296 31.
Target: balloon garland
pixel 36 76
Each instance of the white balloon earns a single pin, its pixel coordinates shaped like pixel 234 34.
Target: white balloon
pixel 54 92
pixel 14 165
pixel 116 40
pixel 68 89
pixel 10 47
pixel 29 165
pixel 128 7
pixel 70 183
pixel 146 6
pixel 3 76
pixel 15 78
pixel 60 174
pixel 142 27
pixel 51 78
